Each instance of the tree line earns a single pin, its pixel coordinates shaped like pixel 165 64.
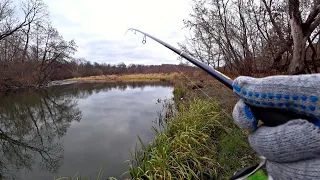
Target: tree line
pixel 32 52
pixel 243 36
pixel 248 36
pixel 81 68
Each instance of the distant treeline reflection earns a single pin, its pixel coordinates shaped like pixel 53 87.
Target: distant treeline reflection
pixel 84 89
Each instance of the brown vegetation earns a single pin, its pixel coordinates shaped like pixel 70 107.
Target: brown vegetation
pixel 31 50
pixel 82 68
pixel 246 36
pixel 130 77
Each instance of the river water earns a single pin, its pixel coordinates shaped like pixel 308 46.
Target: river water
pixel 76 128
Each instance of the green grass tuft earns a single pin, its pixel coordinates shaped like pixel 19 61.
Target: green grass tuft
pixel 178 93
pixel 199 142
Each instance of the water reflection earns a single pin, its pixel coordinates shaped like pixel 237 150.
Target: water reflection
pixel 32 124
pixel 83 90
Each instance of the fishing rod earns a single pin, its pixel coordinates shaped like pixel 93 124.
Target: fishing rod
pixel 251 171
pixel 269 116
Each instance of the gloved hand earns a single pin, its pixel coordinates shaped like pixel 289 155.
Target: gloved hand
pixel 292 149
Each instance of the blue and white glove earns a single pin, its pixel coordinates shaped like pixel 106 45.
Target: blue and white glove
pixel 292 149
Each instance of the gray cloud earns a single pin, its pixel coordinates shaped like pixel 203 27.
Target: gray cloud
pixel 108 51
pixel 98 28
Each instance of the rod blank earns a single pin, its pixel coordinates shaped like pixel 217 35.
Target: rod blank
pixel 216 74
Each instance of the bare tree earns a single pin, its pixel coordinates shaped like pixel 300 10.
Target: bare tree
pixel 301 32
pixel 31 49
pixel 254 36
pixel 32 9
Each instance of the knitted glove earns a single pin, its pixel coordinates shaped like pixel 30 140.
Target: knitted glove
pixel 292 149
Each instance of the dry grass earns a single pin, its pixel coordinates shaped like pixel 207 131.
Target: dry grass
pixel 130 77
pixel 206 87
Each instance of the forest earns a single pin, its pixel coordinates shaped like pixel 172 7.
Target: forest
pixel 249 37
pixel 243 37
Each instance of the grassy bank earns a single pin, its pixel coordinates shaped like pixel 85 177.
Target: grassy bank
pixel 200 141
pixel 130 77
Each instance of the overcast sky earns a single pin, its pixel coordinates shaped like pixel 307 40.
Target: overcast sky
pixel 99 26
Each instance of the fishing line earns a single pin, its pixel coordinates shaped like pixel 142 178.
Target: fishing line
pixel 225 112
pixel 144 41
pixel 223 79
pixel 193 83
pixel 268 115
pixel 182 54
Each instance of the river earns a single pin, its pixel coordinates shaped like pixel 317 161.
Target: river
pixel 76 128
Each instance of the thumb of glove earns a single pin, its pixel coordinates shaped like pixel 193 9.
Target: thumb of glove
pixel 243 117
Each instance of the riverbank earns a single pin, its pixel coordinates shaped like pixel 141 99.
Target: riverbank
pixel 200 141
pixel 152 77
pixel 130 77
